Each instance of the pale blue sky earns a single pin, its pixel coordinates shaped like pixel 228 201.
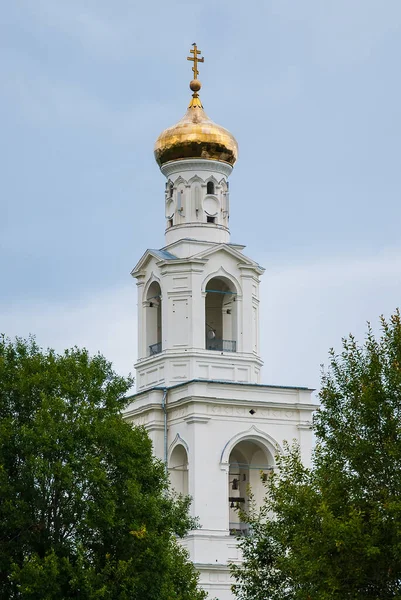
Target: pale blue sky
pixel 310 89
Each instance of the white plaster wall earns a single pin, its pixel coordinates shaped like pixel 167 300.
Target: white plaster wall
pixel 209 419
pixel 201 231
pixel 183 284
pixel 188 203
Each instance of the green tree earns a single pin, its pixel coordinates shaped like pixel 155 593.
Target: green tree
pixel 334 531
pixel 85 509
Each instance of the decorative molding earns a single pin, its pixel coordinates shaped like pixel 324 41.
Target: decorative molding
pixel 196 224
pixel 196 179
pixel 140 420
pixel 178 412
pixel 221 272
pixel 150 280
pixel 211 205
pixel 141 266
pixel 243 411
pixel 307 426
pixel 253 269
pixel 180 166
pixel 153 426
pixel 191 419
pixel 253 434
pixel 177 441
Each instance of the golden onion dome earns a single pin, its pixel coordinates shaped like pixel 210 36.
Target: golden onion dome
pixel 196 136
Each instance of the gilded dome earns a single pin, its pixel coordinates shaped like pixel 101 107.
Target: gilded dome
pixel 196 136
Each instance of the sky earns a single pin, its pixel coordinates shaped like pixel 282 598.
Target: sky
pixel 310 89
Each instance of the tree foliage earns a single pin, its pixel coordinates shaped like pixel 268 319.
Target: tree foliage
pixel 334 531
pixel 85 509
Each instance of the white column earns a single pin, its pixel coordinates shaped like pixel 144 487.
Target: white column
pixel 140 310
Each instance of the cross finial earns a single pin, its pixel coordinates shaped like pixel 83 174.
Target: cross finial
pixel 195 60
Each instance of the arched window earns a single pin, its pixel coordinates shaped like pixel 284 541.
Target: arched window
pixel 154 319
pixel 221 315
pixel 178 469
pixel 210 187
pixel 250 466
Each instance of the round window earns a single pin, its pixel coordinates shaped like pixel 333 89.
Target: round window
pixel 211 206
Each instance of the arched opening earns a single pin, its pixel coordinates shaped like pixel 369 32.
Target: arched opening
pixel 250 465
pixel 178 469
pixel 210 187
pixel 154 319
pixel 221 315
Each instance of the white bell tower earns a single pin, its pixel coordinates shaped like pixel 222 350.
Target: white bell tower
pixel 199 393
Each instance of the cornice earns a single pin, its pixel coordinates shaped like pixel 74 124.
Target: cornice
pixel 191 419
pixel 231 384
pixel 197 225
pixel 200 353
pixel 221 404
pixel 255 268
pixel 180 166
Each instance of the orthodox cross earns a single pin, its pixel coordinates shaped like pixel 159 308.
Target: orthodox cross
pixel 195 60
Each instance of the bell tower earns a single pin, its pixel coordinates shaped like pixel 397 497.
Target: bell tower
pixel 198 303
pixel 199 392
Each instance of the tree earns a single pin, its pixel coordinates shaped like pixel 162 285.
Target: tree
pixel 85 509
pixel 334 531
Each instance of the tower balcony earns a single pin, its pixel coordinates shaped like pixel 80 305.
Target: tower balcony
pixel 155 349
pixel 221 345
pixel 237 528
pixel 169 366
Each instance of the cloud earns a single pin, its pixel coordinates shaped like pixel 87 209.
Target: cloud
pixel 115 32
pixel 342 32
pixel 105 322
pixel 306 309
pixel 45 101
pixel 103 34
